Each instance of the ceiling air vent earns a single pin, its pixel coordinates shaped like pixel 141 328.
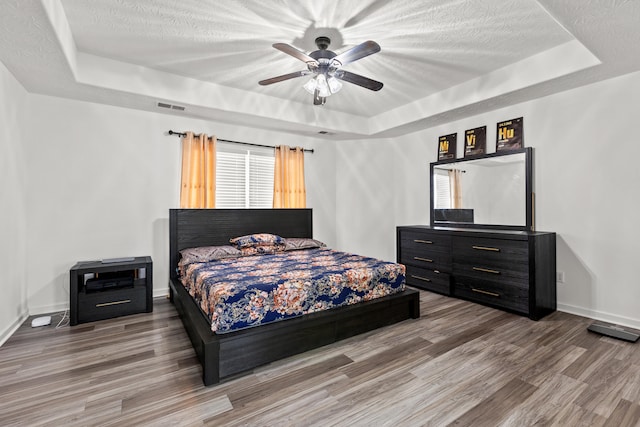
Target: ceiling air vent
pixel 325 132
pixel 172 107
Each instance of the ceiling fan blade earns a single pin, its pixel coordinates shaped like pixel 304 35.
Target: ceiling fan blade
pixel 284 77
pixel 359 80
pixel 290 50
pixel 363 49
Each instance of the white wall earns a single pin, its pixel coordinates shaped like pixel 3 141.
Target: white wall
pixel 320 180
pixel 102 181
pixel 586 182
pixel 587 190
pixel 13 185
pixel 364 190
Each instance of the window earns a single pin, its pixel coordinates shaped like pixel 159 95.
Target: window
pixel 244 177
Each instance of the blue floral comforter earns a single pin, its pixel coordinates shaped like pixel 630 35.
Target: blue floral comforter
pixel 237 293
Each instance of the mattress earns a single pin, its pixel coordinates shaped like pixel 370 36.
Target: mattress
pixel 246 291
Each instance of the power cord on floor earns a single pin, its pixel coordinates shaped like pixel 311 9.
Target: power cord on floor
pixel 65 318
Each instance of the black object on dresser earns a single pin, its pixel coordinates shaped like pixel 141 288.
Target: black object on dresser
pixel 101 290
pixel 511 270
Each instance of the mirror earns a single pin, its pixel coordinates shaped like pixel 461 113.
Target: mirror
pixel 489 191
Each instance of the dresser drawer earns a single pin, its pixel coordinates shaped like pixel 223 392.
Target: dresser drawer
pixel 514 298
pixel 493 273
pixel 111 303
pixel 492 252
pixel 428 279
pixel 504 261
pixel 424 240
pixel 425 258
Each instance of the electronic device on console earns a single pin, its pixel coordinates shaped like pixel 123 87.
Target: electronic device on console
pixel 110 280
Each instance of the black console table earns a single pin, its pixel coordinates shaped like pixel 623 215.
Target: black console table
pixel 101 290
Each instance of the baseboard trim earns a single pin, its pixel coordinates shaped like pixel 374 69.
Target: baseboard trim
pixel 48 309
pixel 6 334
pixel 158 293
pixel 598 315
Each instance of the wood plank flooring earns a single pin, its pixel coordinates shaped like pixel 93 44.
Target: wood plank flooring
pixel 460 364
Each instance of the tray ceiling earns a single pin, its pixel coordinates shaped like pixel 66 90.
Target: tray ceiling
pixel 439 60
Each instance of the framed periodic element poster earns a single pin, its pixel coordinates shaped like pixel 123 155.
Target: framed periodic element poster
pixel 509 135
pixel 447 146
pixel 475 141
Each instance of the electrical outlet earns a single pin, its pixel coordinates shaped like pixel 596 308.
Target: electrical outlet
pixel 560 276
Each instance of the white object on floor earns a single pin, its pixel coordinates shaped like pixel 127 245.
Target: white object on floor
pixel 41 321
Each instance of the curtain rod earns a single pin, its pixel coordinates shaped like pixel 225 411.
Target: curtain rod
pixel 238 142
pixel 451 170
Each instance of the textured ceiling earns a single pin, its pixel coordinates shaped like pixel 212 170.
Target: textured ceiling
pixel 426 46
pixel 439 60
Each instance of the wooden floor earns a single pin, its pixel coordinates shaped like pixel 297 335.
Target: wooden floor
pixel 460 364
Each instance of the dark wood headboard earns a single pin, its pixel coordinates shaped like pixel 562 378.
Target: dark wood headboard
pixel 190 228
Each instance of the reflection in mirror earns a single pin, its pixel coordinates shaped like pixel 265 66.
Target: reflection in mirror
pixel 490 191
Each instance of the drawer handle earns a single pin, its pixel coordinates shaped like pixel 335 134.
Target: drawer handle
pixel 424 279
pixel 486 270
pixel 417 258
pixel 106 304
pixel 480 291
pixel 426 242
pixel 486 248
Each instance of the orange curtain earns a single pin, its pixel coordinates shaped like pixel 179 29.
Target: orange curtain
pixel 198 184
pixel 455 188
pixel 288 183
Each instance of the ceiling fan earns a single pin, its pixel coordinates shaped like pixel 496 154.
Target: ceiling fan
pixel 326 67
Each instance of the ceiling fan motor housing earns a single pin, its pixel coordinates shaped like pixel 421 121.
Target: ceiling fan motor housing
pixel 322 52
pixel 323 56
pixel 323 42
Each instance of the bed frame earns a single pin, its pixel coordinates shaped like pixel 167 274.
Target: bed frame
pixel 225 355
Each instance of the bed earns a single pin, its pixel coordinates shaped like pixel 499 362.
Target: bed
pixel 225 355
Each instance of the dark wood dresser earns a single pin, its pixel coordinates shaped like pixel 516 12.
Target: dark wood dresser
pixel 510 270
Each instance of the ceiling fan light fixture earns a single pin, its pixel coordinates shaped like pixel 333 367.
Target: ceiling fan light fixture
pixel 311 85
pixel 334 84
pixel 323 86
pixel 326 87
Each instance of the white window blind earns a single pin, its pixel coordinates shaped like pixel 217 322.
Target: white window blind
pixel 442 190
pixel 261 180
pixel 244 177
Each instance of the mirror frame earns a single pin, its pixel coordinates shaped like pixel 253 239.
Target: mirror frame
pixel 529 194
